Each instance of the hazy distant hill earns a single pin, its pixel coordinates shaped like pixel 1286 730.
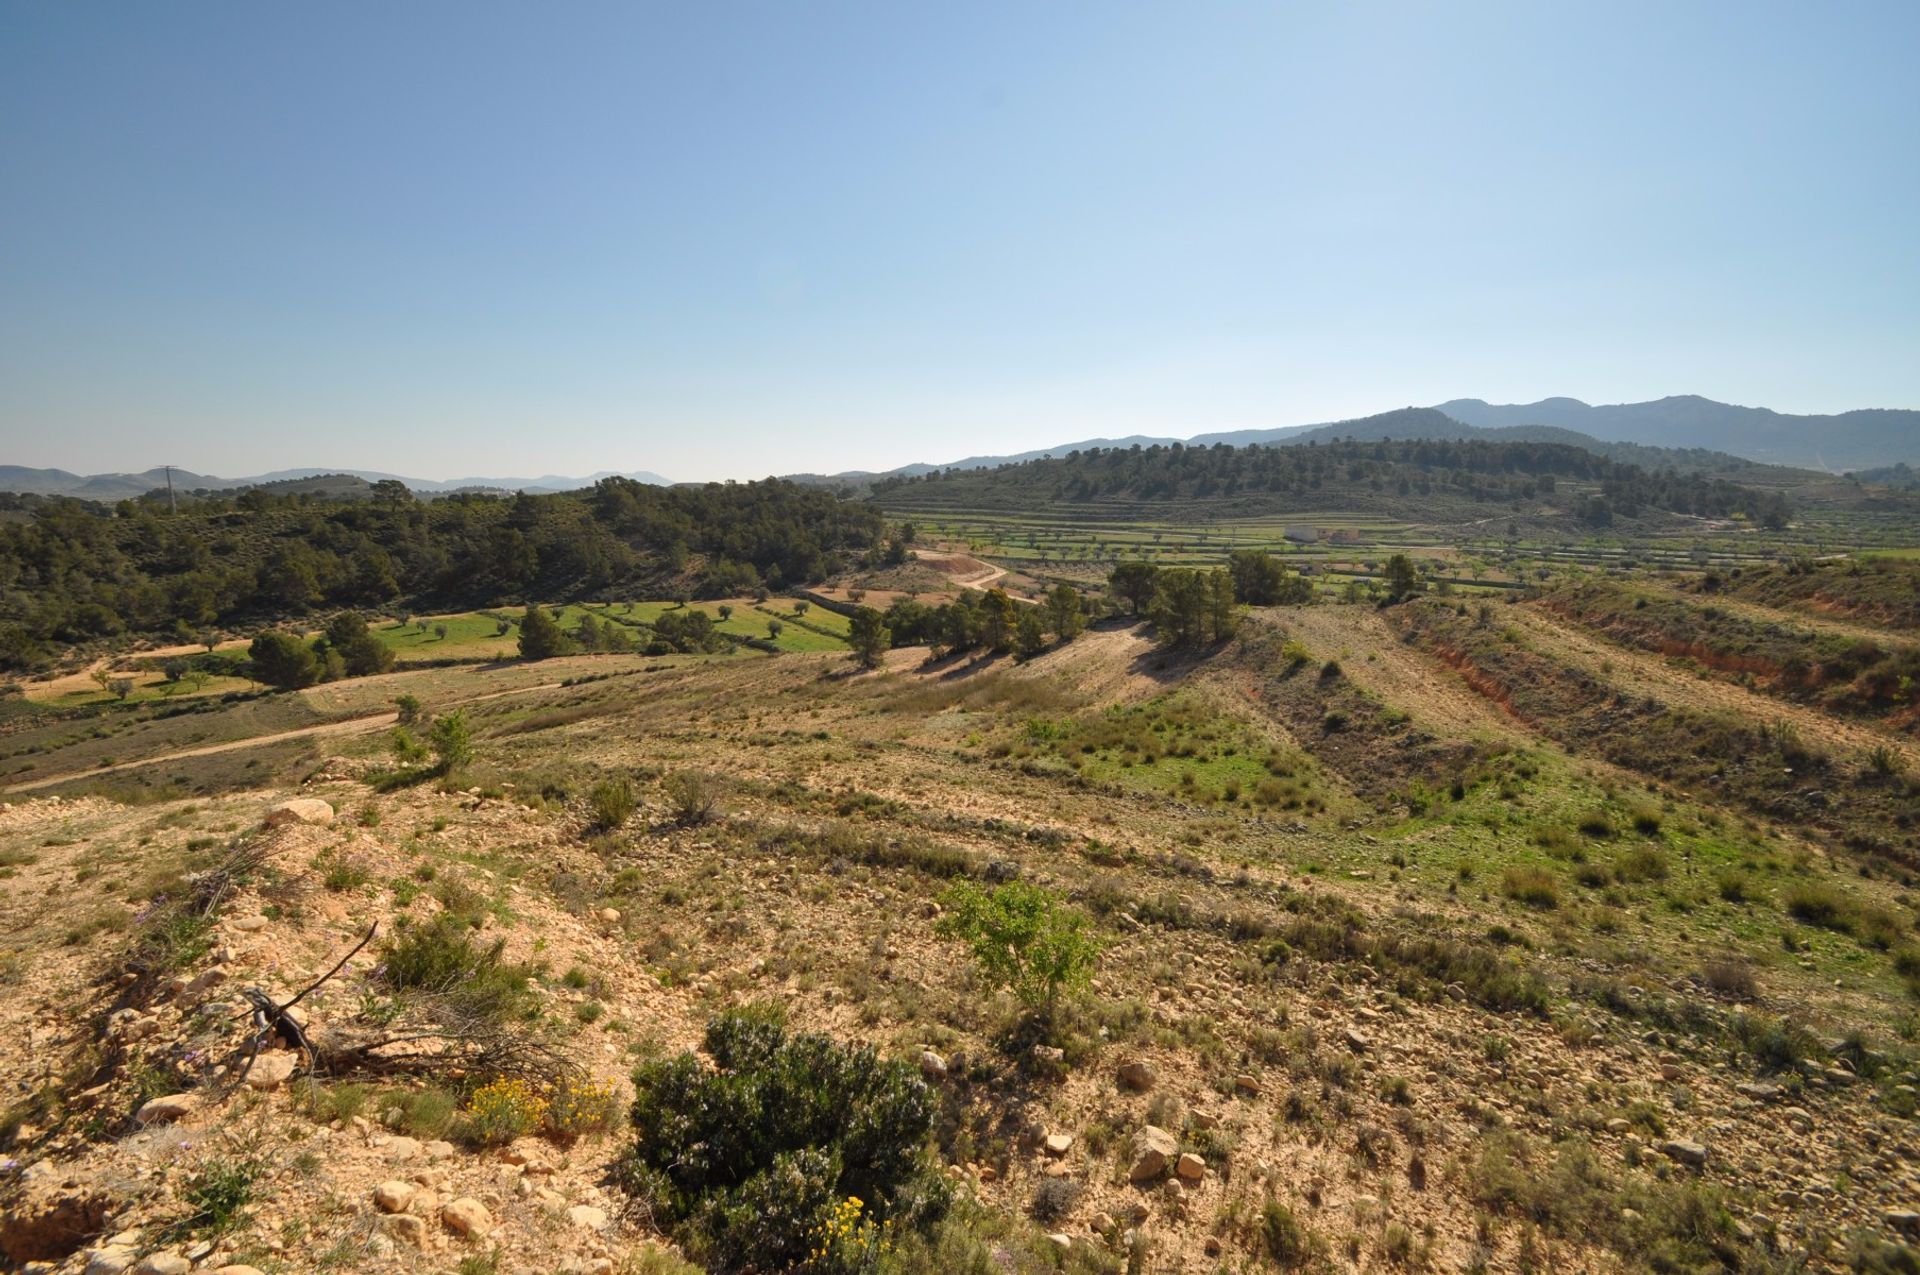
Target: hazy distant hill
pixel 1687 433
pixel 59 482
pixel 1850 440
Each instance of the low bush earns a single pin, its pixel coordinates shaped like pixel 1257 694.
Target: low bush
pixel 501 1111
pixel 441 959
pixel 691 797
pixel 1023 939
pixel 1286 1240
pixel 1534 887
pixel 610 804
pixel 788 1149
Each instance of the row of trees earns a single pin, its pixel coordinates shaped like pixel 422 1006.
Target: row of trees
pixel 1195 606
pixel 975 621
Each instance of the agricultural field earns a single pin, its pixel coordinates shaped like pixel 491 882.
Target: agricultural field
pixel 1473 932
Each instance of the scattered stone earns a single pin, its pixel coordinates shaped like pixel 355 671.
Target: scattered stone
pixel 466 1217
pixel 932 1065
pixel 401 1147
pixel 1061 1240
pixel 1358 1041
pixel 1102 1224
pixel 1905 1221
pixel 610 915
pixel 207 981
pixel 1685 1152
pixel 405 1228
pixel 111 1260
pixel 1136 1075
pixel 1800 1119
pixel 307 810
pixel 249 924
pixel 588 1218
pixel 273 1069
pixel 439 1150
pixel 1247 1085
pixel 166 1109
pixel 1058 1144
pixel 394 1196
pixel 1619 1124
pixel 1213 1246
pixel 163 1262
pixel 1153 1150
pixel 238 1270
pixel 1051 1054
pixel 1190 1168
pixel 1757 1090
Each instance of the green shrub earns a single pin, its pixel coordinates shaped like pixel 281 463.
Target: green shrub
pixel 451 740
pixel 752 1162
pixel 1596 824
pixel 1534 887
pixel 218 1193
pixel 611 803
pixel 441 959
pixel 1641 864
pixel 1285 1240
pixel 1023 939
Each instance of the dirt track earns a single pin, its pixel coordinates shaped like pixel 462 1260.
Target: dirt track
pixel 356 726
pixel 352 726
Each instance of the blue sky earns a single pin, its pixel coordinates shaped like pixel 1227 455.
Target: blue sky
pixel 726 240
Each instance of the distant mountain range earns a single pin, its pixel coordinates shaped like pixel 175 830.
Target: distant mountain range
pixel 58 482
pixel 1833 444
pixel 1683 431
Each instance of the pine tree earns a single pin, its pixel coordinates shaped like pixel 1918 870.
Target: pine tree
pixel 868 636
pixel 1065 612
pixel 540 635
pixel 1029 636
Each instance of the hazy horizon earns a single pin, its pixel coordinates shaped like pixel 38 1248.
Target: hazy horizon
pixel 446 242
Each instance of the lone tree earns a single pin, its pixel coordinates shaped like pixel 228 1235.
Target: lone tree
pixel 1024 940
pixel 869 637
pixel 283 661
pixel 1402 580
pixel 540 636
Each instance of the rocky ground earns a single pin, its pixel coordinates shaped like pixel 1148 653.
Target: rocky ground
pixel 1234 1051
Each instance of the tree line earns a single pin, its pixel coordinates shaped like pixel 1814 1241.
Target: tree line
pixel 74 571
pixel 1471 469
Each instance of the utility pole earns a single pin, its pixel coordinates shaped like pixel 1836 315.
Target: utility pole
pixel 173 506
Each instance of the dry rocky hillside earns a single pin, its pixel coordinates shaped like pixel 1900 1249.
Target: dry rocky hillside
pixel 1396 971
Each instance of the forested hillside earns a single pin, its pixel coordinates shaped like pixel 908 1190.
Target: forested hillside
pixel 1403 477
pixel 72 571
